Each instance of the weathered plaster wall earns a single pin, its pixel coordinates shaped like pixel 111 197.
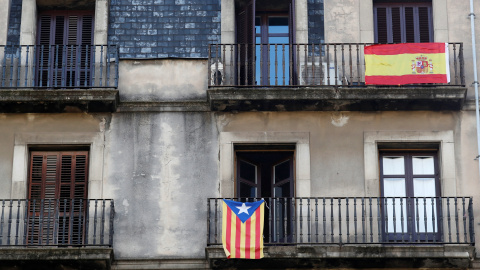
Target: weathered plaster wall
pixel 162 80
pixel 161 170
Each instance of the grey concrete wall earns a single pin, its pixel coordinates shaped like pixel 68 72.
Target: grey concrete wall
pixel 161 169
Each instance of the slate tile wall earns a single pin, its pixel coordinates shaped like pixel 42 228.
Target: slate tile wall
pixel 13 35
pixel 316 30
pixel 164 28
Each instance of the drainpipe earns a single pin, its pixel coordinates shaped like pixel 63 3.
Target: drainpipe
pixel 475 79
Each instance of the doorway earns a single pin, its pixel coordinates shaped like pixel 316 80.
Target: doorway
pixel 268 173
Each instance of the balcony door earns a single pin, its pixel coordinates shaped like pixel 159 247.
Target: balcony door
pixel 270 175
pixel 64 49
pixel 265 34
pixel 410 183
pixel 57 197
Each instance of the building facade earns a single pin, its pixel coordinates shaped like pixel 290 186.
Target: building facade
pixel 123 123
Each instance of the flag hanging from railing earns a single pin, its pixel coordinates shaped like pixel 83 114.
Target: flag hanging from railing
pixel 407 63
pixel 242 229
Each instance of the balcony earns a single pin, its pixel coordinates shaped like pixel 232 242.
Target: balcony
pixel 58 78
pixel 74 232
pixel 356 232
pixel 313 77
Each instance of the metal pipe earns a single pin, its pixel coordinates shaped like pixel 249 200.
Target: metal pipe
pixel 475 79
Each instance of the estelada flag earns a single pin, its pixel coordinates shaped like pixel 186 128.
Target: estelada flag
pixel 407 63
pixel 242 229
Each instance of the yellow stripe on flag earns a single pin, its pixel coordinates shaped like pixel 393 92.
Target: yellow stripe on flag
pixel 224 227
pixel 234 236
pixel 252 236
pixel 262 215
pixel 402 64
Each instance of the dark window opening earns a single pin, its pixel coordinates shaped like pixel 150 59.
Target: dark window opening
pixel 269 174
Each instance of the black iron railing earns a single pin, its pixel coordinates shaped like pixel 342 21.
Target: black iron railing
pixel 365 220
pixel 56 222
pixel 332 64
pixel 58 66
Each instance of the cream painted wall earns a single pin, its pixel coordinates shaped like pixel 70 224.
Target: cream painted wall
pixel 163 80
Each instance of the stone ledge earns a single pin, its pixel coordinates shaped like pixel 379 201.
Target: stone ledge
pixel 333 98
pixel 58 100
pixel 167 106
pixel 335 256
pixel 92 258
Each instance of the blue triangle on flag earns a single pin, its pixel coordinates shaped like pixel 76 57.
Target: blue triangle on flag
pixel 243 210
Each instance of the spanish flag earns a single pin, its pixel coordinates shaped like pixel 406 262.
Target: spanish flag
pixel 407 63
pixel 242 229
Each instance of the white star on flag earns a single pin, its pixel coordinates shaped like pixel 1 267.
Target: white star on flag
pixel 243 209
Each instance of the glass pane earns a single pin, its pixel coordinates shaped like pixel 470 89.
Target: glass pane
pixel 279 61
pixel 282 191
pixel 281 171
pixel 423 165
pixel 257 25
pixel 278 25
pixel 395 209
pixel 247 191
pixel 425 205
pixel 393 165
pixel 248 172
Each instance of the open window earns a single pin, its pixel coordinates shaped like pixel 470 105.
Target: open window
pixel 265 38
pixel 267 172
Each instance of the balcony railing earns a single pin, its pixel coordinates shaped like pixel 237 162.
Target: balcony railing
pixel 273 65
pixel 59 66
pixel 365 220
pixel 56 222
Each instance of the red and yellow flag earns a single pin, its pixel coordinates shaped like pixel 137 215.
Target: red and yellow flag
pixel 406 63
pixel 242 229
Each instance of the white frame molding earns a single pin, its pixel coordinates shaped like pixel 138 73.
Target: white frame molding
pixel 21 158
pixel 446 155
pixel 302 157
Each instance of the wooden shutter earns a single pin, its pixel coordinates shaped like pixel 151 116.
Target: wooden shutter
pixel 57 193
pixel 64 60
pixel 397 23
pixel 246 41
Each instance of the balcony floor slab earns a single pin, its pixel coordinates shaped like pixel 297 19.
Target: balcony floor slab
pixel 58 100
pixel 330 98
pixel 351 256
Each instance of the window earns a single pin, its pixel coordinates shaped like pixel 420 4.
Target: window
pixel 403 22
pixel 65 51
pixel 265 36
pixel 57 197
pixel 268 173
pixel 410 185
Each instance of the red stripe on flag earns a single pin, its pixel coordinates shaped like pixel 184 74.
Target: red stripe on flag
pixel 406 79
pixel 229 230
pixel 238 238
pixel 248 233
pixel 411 48
pixel 258 234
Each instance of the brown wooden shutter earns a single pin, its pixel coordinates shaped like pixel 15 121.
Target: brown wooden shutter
pixel 396 25
pixel 424 21
pixel 246 41
pixel 57 193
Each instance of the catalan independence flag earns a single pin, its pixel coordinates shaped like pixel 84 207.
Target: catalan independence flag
pixel 407 63
pixel 242 229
